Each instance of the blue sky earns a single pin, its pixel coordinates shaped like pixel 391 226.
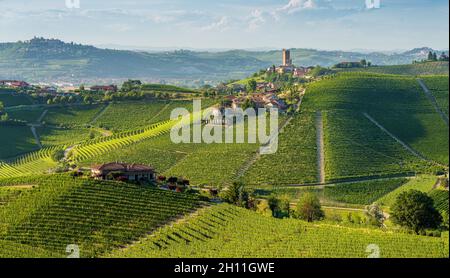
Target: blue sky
pixel 224 24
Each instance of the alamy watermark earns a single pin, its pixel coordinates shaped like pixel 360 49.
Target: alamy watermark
pixel 373 4
pixel 73 4
pixel 373 251
pixel 226 125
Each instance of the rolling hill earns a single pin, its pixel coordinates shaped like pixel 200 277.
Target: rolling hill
pixel 50 60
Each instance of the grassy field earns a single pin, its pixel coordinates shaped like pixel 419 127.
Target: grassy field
pixel 422 183
pixel 212 233
pixel 97 216
pixel 362 193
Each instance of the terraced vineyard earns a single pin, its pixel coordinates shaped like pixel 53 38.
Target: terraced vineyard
pixel 296 148
pixel 93 148
pixel 212 233
pixel 440 198
pixel 32 163
pixel 97 216
pixel 132 115
pixel 64 136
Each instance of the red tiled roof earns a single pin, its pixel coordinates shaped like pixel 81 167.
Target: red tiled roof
pixel 116 166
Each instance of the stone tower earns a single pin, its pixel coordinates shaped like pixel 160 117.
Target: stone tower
pixel 287 61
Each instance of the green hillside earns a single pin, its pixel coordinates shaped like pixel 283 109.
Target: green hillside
pixel 227 231
pixel 97 216
pixel 396 103
pixel 426 68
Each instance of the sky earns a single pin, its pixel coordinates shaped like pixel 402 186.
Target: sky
pixel 231 24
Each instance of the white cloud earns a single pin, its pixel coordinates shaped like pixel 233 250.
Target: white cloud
pixel 220 25
pixel 256 19
pixel 294 6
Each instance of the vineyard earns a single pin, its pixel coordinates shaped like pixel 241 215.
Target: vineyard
pixel 363 193
pixel 398 104
pixel 427 68
pixel 97 216
pixel 25 114
pixel 440 198
pixel 11 98
pixel 95 147
pixel 438 85
pixel 355 147
pixel 16 140
pixel 296 148
pixel 212 233
pixel 31 163
pixel 72 116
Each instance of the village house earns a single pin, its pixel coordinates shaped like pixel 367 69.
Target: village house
pixel 123 171
pixel 15 84
pixel 106 88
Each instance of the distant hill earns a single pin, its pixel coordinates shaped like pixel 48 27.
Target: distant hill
pixel 410 69
pixel 42 59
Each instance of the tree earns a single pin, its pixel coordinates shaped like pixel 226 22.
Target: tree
pixel 280 206
pixel 263 208
pixel 430 56
pixel 363 62
pixel 309 208
pixel 236 194
pixel 415 210
pixel 375 215
pixel 251 85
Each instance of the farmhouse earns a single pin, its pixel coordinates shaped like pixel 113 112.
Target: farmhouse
pixel 108 88
pixel 123 171
pixel 14 84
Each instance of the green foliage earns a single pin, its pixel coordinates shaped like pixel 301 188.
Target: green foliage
pixel 308 208
pixel 375 215
pixel 415 210
pixel 236 194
